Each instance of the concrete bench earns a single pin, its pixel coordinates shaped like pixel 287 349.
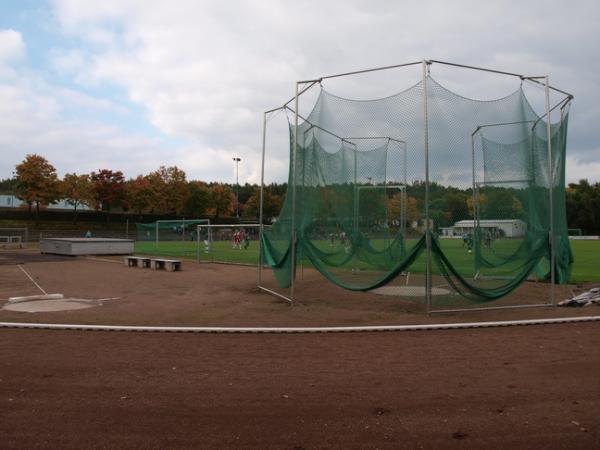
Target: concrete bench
pixel 170 265
pixel 137 261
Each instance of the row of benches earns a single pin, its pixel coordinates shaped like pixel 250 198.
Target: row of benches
pixel 170 265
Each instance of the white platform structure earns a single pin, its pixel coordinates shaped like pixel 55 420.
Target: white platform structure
pixel 510 228
pixel 86 246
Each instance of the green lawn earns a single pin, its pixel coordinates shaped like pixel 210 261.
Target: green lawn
pixel 585 269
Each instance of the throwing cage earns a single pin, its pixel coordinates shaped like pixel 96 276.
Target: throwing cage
pixel 375 186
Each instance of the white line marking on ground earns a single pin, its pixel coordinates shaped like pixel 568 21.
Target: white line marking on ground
pixel 32 280
pixel 437 326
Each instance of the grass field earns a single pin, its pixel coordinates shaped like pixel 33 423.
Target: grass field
pixel 585 269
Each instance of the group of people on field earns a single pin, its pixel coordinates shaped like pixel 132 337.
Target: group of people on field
pixel 240 239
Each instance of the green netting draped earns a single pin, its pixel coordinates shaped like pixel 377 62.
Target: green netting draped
pixel 357 172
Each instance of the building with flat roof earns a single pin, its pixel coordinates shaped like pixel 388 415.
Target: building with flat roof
pixel 511 228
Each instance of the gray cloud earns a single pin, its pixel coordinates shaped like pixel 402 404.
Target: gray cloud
pixel 204 71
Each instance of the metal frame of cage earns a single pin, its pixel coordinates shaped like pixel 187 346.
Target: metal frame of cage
pixel 304 85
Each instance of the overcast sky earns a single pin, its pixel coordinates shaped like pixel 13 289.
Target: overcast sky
pixel 135 84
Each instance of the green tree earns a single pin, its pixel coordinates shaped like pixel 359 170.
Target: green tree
pixel 37 182
pixel 271 204
pixel 198 200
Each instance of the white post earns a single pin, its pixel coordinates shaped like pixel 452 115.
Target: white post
pixel 550 189
pixel 427 230
pixel 262 189
pixel 293 233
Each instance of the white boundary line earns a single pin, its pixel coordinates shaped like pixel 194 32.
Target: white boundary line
pixel 290 330
pixel 32 280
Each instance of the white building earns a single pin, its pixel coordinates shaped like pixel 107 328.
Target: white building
pixel 10 201
pixel 507 228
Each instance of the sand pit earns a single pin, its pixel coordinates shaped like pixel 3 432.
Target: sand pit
pixel 50 303
pixel 409 291
pixel 64 304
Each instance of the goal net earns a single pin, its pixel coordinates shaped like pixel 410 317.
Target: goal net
pixel 231 244
pixel 168 237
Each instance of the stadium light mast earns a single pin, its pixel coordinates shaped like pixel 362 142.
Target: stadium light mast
pixel 237 188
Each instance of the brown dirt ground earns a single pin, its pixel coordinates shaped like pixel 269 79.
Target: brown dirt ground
pixel 225 295
pixel 534 387
pixel 519 387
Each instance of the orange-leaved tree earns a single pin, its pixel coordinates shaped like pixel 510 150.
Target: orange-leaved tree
pixel 108 190
pixel 37 182
pixel 77 190
pixel 222 199
pixel 140 196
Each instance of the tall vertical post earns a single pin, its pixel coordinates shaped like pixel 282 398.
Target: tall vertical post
pixel 293 233
pixel 550 191
pixel 475 241
pixel 356 204
pixel 261 202
pixel 237 188
pixel 403 198
pixel 427 230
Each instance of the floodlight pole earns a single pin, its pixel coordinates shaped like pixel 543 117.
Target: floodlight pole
pixel 261 201
pixel 550 189
pixel 427 230
pixel 237 188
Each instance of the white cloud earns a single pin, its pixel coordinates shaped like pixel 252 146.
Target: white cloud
pixel 12 47
pixel 577 170
pixel 202 72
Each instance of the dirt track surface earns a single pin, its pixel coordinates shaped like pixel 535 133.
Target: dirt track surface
pixel 532 387
pixel 220 295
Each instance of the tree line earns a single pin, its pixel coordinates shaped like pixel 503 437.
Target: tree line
pixel 164 191
pixel 168 191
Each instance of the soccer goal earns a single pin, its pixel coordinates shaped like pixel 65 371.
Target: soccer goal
pixel 169 237
pixel 14 237
pixel 228 244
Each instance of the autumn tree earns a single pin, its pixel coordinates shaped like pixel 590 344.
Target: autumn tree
pixel 170 189
pixel 222 199
pixel 108 189
pixel 77 191
pixel 140 195
pixel 199 199
pixel 37 182
pixel 271 204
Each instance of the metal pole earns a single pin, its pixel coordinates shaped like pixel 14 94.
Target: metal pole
pixel 403 198
pixel 550 189
pixel 475 241
pixel 356 204
pixel 293 231
pixel 427 231
pixel 237 188
pixel 361 71
pixel 261 202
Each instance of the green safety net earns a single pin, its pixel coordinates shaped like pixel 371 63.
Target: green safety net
pixel 355 207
